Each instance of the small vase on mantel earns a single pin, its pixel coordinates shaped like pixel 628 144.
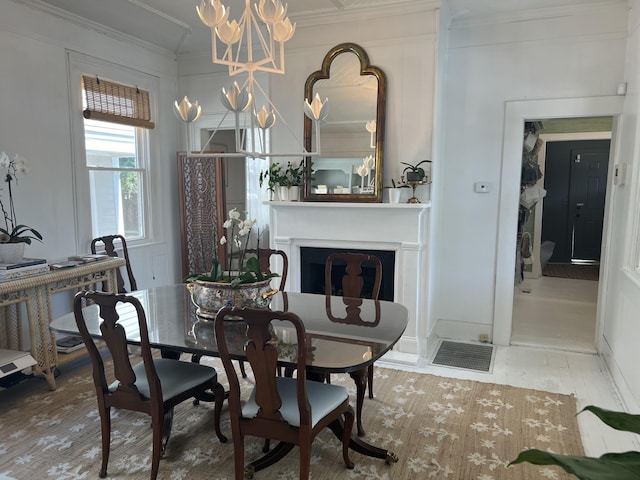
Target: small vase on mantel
pixel 394 195
pixel 11 252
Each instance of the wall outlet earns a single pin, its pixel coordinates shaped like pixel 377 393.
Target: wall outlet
pixel 482 187
pixel 484 338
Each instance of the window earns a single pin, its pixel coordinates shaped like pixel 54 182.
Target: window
pixel 116 159
pixel 113 109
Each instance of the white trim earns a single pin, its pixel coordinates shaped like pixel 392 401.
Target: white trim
pixel 516 113
pixel 78 64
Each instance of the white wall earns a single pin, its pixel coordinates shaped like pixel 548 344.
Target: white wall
pixel 483 67
pixel 35 122
pixel 572 53
pixel 621 326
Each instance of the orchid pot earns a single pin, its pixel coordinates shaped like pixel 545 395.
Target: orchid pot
pixel 210 297
pixel 11 252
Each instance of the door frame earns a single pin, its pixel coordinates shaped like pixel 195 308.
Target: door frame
pixel 516 113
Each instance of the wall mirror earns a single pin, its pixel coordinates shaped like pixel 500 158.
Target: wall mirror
pixel 352 136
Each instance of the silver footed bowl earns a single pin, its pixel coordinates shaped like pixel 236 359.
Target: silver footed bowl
pixel 210 297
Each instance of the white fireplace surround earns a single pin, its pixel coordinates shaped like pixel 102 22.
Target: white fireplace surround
pixel 401 228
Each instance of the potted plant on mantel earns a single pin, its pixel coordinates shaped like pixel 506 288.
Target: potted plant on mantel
pixel 247 286
pixel 285 181
pixel 415 173
pixel 395 190
pixel 14 236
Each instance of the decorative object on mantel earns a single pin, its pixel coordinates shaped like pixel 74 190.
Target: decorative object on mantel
pixel 13 236
pixel 395 190
pixel 415 175
pixel 244 285
pixel 351 171
pixel 285 182
pixel 252 44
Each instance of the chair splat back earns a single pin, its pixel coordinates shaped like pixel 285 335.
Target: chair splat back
pixel 353 286
pixel 262 354
pixel 154 386
pixel 279 408
pixel 109 245
pixel 353 281
pixel 264 258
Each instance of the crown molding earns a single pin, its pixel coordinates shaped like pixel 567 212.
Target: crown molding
pixel 357 11
pixel 94 26
pixel 461 21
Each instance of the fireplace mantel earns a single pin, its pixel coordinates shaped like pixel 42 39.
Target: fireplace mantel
pixel 402 228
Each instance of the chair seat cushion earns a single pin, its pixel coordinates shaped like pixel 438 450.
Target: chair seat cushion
pixel 323 399
pixel 175 377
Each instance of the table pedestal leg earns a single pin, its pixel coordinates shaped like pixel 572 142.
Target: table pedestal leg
pixel 360 446
pixel 278 452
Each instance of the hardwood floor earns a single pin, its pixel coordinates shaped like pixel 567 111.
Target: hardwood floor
pixel 555 312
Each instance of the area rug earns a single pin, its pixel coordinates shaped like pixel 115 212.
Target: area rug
pixel 568 270
pixel 440 428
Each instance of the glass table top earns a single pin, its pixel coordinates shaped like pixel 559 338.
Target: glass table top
pixel 343 334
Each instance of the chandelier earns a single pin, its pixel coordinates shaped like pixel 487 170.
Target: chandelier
pixel 253 44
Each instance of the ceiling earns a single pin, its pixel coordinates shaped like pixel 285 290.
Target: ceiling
pixel 174 25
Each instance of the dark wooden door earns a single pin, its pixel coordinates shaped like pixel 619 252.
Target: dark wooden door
pixel 573 212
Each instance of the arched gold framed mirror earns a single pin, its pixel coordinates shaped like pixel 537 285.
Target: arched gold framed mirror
pixel 352 136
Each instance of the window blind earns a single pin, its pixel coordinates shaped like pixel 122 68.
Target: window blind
pixel 116 103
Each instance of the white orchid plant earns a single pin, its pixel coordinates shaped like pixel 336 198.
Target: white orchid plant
pixel 14 232
pixel 237 236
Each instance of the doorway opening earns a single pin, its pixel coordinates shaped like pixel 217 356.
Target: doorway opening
pixel 555 299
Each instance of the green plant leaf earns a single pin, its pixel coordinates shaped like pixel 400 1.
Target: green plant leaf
pixel 610 466
pixel 253 266
pixel 618 420
pixel 216 270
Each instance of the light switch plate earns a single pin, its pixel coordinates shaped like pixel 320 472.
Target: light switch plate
pixel 619 173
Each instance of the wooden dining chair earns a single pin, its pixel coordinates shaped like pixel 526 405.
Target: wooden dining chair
pixel 264 258
pixel 154 386
pixel 352 284
pixel 109 245
pixel 290 410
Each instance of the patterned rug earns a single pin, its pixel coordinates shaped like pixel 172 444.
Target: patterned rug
pixel 568 270
pixel 440 428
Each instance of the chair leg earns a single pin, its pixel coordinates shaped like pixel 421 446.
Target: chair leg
pixel 346 436
pixel 159 439
pixel 166 430
pixel 238 457
pixel 305 459
pixel 370 380
pixel 242 371
pixel 195 358
pixel 105 420
pixel 219 394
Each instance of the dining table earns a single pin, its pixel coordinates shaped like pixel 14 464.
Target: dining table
pixel 344 335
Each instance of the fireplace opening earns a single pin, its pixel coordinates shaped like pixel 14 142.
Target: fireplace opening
pixel 312 262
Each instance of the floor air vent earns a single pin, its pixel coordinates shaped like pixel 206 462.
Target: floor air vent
pixel 470 356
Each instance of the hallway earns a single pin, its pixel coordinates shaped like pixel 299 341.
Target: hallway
pixel 555 313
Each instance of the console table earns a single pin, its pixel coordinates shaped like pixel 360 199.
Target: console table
pixel 35 293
